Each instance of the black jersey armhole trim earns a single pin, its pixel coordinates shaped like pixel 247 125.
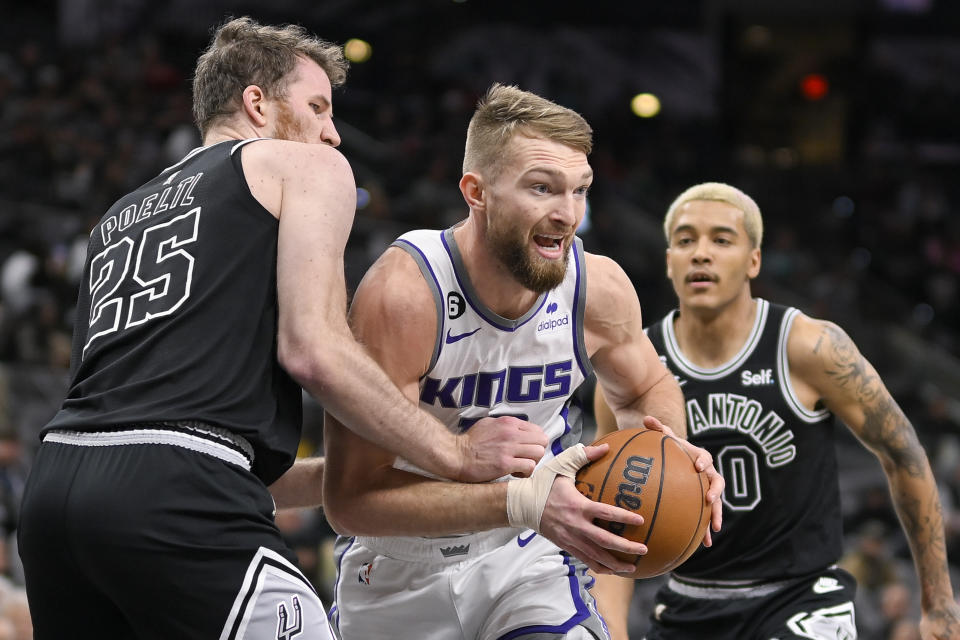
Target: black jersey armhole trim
pixel 237 160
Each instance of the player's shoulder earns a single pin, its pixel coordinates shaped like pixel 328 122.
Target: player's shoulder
pixel 288 158
pixel 395 286
pixel 813 340
pixel 603 272
pixel 608 284
pixel 612 311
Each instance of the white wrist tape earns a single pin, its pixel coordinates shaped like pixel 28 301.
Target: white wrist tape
pixel 526 497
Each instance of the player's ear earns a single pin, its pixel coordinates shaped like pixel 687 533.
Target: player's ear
pixel 254 103
pixel 669 270
pixel 753 270
pixel 471 186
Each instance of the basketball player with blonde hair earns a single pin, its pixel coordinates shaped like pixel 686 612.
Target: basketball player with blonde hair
pixel 762 384
pixel 502 314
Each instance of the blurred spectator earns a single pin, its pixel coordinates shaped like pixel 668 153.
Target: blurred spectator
pixel 14 608
pixel 904 630
pixel 896 609
pixel 870 561
pixel 874 512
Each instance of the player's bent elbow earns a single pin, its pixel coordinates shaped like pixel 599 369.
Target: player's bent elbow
pixel 312 373
pixel 343 513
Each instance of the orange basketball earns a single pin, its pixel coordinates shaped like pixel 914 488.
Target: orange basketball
pixel 651 474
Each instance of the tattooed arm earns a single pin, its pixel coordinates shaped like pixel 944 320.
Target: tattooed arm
pixel 827 369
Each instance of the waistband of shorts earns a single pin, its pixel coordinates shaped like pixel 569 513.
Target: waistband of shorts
pixel 446 550
pixel 725 589
pixel 196 436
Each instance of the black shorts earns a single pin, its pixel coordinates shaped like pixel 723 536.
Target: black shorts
pixel 157 541
pixel 818 606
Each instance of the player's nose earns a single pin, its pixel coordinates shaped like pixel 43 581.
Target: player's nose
pixel 566 211
pixel 701 250
pixel 330 135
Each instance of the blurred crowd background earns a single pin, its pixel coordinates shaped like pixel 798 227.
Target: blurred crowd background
pixel 838 117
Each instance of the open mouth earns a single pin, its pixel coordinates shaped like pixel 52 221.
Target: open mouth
pixel 700 277
pixel 549 243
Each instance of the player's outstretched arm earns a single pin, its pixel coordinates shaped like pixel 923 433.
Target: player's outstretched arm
pixel 825 363
pixel 301 485
pixel 315 202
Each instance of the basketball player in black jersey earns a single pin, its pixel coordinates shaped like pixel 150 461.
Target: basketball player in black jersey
pixel 210 294
pixel 761 383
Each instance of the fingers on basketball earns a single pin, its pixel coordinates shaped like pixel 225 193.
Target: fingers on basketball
pixel 649 473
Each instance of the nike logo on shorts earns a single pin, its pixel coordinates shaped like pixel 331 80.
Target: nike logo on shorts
pixel 826 585
pixel 460 336
pixel 525 541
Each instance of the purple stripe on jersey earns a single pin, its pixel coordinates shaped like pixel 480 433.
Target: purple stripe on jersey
pixel 333 609
pixel 557 445
pixel 475 306
pixel 583 612
pixel 436 284
pixel 575 325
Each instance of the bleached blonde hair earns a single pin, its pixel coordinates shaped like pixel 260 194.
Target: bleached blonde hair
pixel 720 192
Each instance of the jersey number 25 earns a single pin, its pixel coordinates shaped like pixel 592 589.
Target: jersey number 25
pixel 157 285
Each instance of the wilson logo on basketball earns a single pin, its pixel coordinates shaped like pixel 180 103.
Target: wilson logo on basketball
pixel 650 474
pixel 635 474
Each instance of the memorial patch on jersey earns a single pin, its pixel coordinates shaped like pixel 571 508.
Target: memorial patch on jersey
pixel 456 305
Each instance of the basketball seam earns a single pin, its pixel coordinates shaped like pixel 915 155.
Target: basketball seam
pixel 663 474
pixel 610 467
pixel 693 539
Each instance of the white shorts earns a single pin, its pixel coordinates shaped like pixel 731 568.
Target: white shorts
pixel 507 583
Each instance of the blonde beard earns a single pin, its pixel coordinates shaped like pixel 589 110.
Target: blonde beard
pixel 533 272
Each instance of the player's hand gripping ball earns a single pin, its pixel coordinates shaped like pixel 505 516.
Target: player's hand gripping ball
pixel 650 473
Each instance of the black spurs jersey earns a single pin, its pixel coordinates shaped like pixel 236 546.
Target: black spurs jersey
pixel 781 504
pixel 177 313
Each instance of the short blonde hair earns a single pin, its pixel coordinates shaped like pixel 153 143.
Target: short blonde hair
pixel 720 192
pixel 507 110
pixel 243 52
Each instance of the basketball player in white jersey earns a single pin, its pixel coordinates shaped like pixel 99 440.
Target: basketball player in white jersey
pixel 503 314
pixel 761 381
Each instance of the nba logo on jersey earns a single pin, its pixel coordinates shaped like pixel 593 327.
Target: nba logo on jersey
pixel 365 570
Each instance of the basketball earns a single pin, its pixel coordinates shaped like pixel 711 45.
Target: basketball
pixel 650 473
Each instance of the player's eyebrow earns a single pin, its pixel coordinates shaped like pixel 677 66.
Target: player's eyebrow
pixel 715 229
pixel 553 171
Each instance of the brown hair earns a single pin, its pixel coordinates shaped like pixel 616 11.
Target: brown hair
pixel 243 52
pixel 507 110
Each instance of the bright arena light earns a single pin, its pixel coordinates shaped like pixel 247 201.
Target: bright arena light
pixel 357 50
pixel 645 105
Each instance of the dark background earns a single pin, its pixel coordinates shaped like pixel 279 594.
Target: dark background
pixel 859 187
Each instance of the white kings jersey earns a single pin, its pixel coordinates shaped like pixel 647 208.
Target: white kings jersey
pixel 487 365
